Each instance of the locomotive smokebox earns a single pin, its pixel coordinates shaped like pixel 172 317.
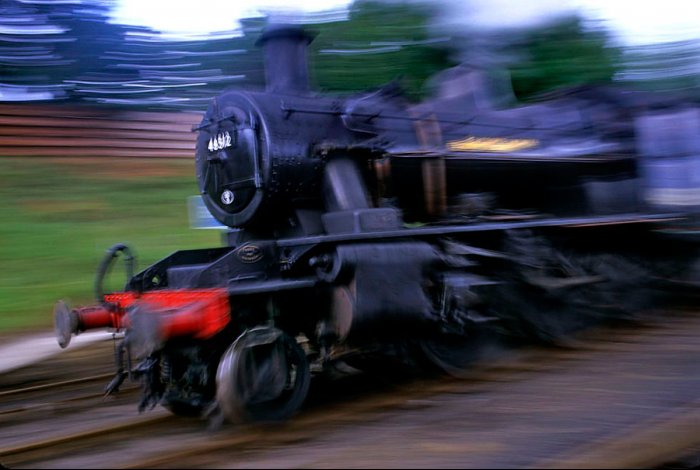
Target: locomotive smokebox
pixel 285 55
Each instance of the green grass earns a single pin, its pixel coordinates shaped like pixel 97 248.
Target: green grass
pixel 59 216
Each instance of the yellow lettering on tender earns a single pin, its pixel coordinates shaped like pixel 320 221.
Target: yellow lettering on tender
pixel 490 144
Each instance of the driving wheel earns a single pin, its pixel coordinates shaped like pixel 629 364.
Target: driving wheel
pixel 263 376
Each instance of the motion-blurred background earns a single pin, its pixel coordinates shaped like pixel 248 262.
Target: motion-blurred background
pixel 97 100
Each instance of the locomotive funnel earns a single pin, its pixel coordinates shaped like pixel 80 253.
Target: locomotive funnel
pixel 286 63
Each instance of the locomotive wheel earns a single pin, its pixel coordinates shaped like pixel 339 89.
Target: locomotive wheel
pixel 455 354
pixel 263 376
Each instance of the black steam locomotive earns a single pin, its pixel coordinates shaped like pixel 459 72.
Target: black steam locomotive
pixel 368 227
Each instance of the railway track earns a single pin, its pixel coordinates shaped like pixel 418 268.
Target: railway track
pixel 44 389
pixel 57 400
pixel 618 398
pixel 46 448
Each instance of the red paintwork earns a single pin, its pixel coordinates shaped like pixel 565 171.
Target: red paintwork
pixel 196 313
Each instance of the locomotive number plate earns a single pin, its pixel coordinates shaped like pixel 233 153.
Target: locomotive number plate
pixel 221 141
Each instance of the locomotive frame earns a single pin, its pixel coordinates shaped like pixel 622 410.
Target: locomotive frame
pixel 516 230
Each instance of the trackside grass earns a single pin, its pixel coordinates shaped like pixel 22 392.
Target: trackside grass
pixel 59 216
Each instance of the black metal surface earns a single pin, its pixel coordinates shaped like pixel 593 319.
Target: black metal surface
pixel 156 275
pixel 286 68
pixel 360 309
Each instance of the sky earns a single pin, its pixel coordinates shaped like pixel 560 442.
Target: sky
pixel 635 22
pixel 173 17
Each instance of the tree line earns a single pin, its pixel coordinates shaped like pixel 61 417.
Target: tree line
pixel 70 51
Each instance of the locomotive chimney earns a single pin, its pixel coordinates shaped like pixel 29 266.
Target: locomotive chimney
pixel 286 64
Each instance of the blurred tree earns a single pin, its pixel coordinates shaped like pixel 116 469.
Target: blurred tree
pixel 561 54
pixel 381 41
pixel 71 48
pixel 87 38
pixel 29 40
pixel 48 45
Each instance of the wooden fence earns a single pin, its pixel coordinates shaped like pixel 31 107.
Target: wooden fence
pixel 48 130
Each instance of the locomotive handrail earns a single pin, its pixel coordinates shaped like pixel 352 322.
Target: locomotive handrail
pixel 482 227
pixel 273 285
pixel 129 262
pixel 242 183
pixel 416 118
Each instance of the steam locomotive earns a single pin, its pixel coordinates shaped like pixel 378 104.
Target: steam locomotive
pixel 367 227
